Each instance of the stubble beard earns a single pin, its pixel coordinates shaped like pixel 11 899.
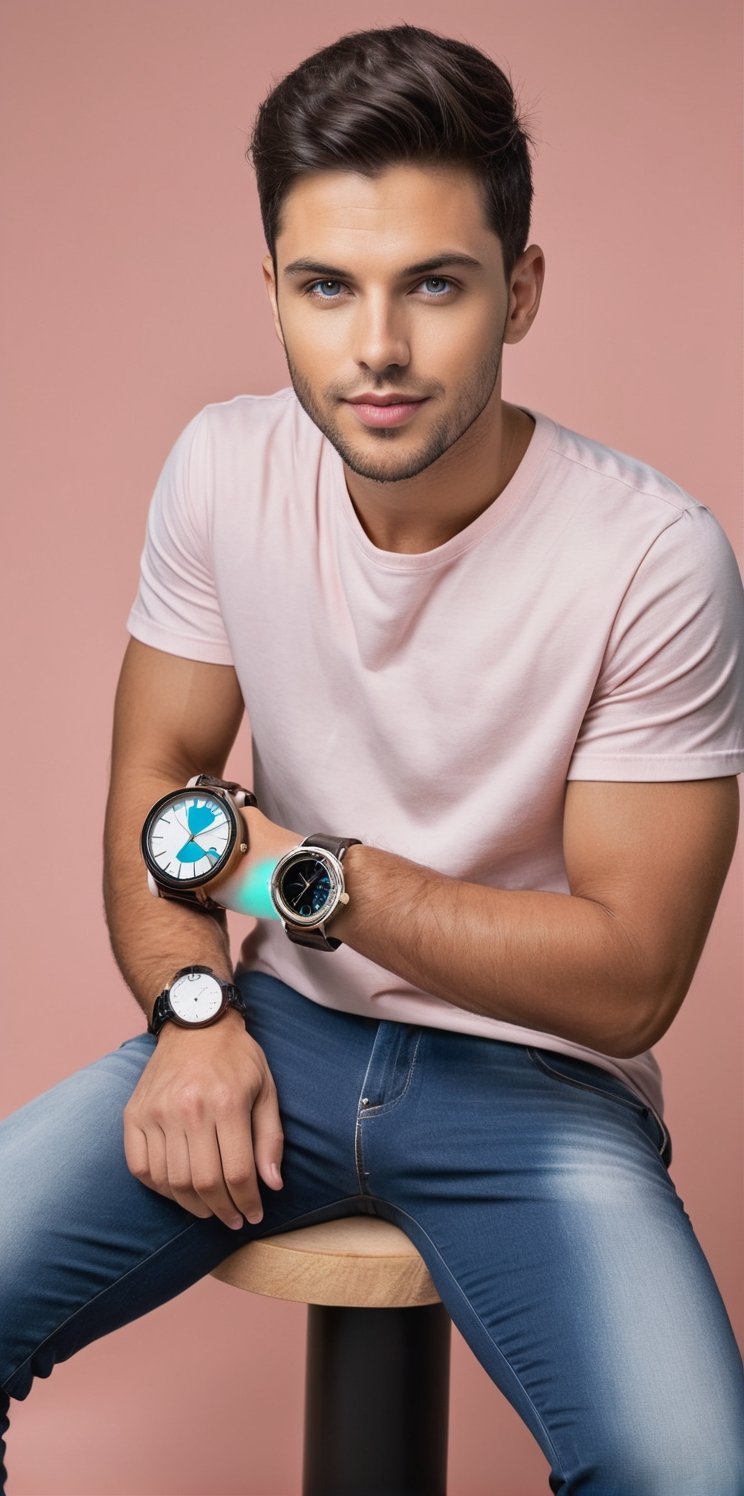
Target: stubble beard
pixel 451 427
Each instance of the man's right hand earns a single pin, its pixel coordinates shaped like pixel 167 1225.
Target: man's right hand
pixel 203 1121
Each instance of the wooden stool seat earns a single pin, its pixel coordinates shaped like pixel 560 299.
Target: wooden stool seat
pixel 377 1357
pixel 360 1261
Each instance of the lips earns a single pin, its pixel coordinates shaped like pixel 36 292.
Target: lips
pixel 391 398
pixel 387 399
pixel 393 414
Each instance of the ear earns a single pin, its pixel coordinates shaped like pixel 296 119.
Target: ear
pixel 267 267
pixel 525 291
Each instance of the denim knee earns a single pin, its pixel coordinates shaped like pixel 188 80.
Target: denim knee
pixel 692 1464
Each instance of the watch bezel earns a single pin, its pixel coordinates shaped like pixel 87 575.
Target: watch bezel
pixel 182 976
pixel 166 880
pixel 304 853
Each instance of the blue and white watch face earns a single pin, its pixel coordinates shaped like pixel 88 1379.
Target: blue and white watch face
pixel 190 838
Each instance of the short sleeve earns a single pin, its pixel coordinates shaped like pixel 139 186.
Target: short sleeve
pixel 176 607
pixel 669 700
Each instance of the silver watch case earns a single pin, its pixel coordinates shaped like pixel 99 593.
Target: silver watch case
pixel 338 894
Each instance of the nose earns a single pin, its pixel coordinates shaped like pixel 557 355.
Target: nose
pixel 381 335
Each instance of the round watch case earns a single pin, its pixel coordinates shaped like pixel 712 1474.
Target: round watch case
pixel 194 998
pixel 207 828
pixel 307 885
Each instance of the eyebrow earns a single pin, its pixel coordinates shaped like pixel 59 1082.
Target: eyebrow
pixel 437 262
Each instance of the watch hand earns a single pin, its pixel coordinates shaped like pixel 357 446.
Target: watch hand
pixel 187 828
pixel 192 851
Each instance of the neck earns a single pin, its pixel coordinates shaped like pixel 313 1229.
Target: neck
pixel 421 513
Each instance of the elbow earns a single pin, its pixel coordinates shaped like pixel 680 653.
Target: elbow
pixel 629 1046
pixel 648 1014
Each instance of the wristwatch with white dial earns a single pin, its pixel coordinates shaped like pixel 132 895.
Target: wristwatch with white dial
pixel 194 998
pixel 307 887
pixel 194 837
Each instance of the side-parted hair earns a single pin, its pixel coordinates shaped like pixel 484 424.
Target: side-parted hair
pixel 378 98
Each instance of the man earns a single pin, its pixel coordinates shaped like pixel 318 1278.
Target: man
pixel 493 674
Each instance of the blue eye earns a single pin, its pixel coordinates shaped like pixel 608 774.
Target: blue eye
pixel 315 284
pixel 313 293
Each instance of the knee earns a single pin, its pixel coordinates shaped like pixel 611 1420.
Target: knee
pixel 21 1283
pixel 672 1464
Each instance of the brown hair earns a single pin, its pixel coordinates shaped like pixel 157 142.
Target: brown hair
pixel 377 98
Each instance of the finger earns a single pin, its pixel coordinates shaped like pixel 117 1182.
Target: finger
pixel 238 1163
pixel 179 1174
pixel 135 1151
pixel 142 1154
pixel 207 1176
pixel 268 1135
pixel 157 1162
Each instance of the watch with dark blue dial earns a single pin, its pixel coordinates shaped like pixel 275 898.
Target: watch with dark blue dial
pixel 307 887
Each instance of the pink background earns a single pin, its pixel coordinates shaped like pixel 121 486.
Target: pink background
pixel 133 296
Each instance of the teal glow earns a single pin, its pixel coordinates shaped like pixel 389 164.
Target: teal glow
pixel 254 896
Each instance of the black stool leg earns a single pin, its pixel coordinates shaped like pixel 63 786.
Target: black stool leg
pixel 376 1401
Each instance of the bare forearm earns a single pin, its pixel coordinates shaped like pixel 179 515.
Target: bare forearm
pixel 549 961
pixel 150 938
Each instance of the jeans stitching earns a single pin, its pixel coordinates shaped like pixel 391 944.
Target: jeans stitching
pixel 101 1291
pixel 585 1085
pixel 637 1108
pixel 134 1269
pixel 397 1209
pixel 389 1106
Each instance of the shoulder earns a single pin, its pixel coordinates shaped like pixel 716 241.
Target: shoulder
pixel 240 425
pixel 614 477
pixel 631 511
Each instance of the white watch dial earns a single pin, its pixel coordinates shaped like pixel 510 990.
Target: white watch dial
pixel 190 836
pixel 196 996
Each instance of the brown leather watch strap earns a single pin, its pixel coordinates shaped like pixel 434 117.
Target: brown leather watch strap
pixel 191 896
pixel 314 938
pixel 335 844
pixel 239 793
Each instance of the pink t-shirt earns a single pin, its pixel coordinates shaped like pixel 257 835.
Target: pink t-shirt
pixel 587 625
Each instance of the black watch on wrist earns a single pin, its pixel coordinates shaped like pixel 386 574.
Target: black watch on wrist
pixel 307 887
pixel 194 998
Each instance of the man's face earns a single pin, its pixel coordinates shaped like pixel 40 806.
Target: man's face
pixel 434 335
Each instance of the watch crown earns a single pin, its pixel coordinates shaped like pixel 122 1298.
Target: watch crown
pixel 244 847
pixel 343 898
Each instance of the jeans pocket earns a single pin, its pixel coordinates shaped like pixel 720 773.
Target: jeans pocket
pixel 588 1077
pixel 571 1071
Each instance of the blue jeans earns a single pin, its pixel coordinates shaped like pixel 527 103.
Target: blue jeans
pixel 532 1185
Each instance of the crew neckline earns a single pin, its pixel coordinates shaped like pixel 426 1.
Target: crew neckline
pixel 497 512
